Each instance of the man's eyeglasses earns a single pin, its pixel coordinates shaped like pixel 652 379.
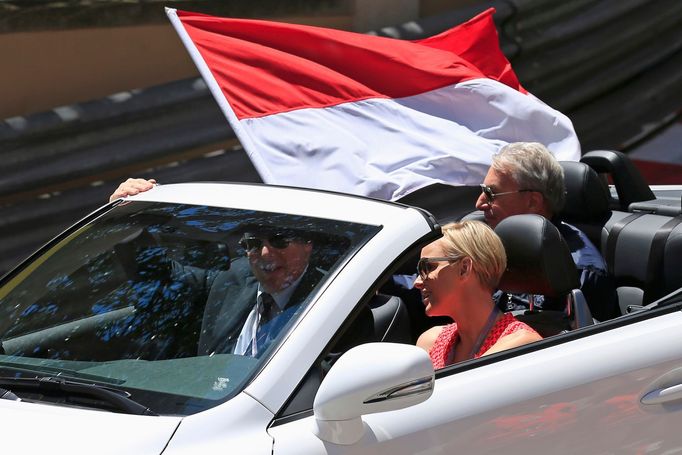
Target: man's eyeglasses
pixel 428 265
pixel 279 241
pixel 490 195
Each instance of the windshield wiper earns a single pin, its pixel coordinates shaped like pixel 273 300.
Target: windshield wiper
pixel 46 369
pixel 7 395
pixel 118 399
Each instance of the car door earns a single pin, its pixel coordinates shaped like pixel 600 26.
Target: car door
pixel 609 388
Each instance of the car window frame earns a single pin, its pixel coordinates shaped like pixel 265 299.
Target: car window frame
pixel 307 385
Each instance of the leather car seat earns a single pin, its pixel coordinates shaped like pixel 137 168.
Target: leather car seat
pixel 587 200
pixel 539 263
pixel 643 252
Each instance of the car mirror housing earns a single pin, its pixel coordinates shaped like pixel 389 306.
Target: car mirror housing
pixel 370 378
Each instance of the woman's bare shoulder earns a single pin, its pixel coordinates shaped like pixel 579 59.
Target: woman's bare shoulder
pixel 428 338
pixel 513 340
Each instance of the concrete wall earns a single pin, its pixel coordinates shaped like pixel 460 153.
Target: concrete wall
pixel 54 68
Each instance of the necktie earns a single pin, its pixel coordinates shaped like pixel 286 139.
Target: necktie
pixel 267 310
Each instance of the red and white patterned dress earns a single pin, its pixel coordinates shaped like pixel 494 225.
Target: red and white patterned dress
pixel 448 337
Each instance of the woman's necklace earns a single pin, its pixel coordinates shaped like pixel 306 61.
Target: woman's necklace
pixel 481 337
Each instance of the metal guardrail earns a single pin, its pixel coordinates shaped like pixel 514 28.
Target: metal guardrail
pixel 613 66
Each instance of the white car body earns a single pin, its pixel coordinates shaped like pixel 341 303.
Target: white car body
pixel 577 392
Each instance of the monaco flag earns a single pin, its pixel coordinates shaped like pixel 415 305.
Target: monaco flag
pixel 362 114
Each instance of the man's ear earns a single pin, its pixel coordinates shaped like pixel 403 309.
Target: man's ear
pixel 536 202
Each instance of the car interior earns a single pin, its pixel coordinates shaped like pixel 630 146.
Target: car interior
pixel 638 233
pixel 641 240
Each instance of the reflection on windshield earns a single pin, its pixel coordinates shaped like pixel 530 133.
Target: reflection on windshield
pixel 166 299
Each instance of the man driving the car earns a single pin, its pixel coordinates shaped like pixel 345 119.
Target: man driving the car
pixel 279 262
pixel 248 304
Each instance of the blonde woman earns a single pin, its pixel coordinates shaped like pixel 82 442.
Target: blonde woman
pixel 458 274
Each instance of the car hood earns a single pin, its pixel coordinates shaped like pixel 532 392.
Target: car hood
pixel 39 428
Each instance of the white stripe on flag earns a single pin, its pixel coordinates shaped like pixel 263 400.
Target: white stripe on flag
pixel 388 148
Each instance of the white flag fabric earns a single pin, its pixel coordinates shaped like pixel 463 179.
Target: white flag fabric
pixel 369 115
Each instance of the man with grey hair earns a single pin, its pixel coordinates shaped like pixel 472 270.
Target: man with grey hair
pixel 526 178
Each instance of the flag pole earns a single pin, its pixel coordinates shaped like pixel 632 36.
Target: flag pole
pixel 218 95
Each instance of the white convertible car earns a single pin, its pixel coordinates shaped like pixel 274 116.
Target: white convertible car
pixel 106 331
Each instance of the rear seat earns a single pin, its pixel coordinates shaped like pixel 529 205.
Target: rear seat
pixel 644 254
pixel 641 244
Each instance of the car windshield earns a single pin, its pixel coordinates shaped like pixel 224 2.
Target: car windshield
pixel 164 301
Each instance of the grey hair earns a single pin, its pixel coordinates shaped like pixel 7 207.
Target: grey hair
pixel 533 167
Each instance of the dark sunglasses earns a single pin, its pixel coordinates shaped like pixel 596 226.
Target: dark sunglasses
pixel 490 195
pixel 279 241
pixel 428 265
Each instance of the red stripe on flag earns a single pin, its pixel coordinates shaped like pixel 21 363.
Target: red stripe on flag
pixel 477 42
pixel 262 68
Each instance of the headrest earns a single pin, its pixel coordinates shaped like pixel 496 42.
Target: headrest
pixel 538 259
pixel 587 197
pixel 476 215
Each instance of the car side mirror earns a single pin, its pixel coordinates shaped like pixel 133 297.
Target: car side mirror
pixel 370 378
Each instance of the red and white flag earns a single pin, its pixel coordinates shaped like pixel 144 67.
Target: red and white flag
pixel 362 114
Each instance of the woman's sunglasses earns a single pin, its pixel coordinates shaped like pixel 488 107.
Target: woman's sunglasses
pixel 279 241
pixel 428 265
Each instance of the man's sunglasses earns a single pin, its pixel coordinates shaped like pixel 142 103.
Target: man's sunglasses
pixel 428 265
pixel 279 241
pixel 490 195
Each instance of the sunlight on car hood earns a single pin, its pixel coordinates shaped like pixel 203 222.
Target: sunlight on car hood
pixel 38 428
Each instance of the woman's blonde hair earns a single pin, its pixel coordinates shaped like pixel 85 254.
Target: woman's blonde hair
pixel 478 241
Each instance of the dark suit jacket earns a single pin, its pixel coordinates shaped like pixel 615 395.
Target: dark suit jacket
pixel 230 296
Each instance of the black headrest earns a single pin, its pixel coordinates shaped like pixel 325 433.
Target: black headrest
pixel 587 197
pixel 385 318
pixel 538 259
